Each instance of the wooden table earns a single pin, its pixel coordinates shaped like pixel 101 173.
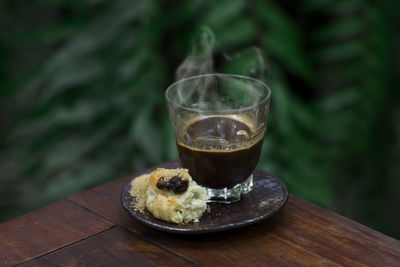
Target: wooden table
pixel 93 229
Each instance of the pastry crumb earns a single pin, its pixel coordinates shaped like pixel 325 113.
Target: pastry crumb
pixel 138 191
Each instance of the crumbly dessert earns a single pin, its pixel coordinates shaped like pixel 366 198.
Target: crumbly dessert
pixel 170 195
pixel 138 191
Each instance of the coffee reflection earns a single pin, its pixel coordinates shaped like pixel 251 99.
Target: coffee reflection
pixel 220 151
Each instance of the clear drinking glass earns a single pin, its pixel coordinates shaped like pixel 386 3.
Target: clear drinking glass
pixel 219 122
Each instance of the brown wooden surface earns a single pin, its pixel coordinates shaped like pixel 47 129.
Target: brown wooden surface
pixel 92 228
pixel 49 228
pixel 116 247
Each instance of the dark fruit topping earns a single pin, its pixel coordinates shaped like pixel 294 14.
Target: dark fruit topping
pixel 176 184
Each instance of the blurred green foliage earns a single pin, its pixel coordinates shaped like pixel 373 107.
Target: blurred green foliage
pixel 82 102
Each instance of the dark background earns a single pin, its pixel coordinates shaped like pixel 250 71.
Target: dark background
pixel 82 84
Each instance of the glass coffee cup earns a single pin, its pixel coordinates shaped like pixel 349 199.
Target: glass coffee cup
pixel 219 122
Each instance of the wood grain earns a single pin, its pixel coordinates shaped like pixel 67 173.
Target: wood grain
pixel 114 247
pixel 301 233
pixel 45 230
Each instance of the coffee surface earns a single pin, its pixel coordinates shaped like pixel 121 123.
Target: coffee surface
pixel 220 151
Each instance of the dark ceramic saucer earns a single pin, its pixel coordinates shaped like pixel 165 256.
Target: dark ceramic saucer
pixel 269 194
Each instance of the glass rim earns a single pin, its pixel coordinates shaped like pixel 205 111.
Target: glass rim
pixel 222 111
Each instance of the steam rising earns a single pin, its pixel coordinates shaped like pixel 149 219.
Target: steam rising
pixel 232 93
pixel 200 60
pixel 250 62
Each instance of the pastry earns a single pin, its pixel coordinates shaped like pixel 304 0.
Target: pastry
pixel 170 195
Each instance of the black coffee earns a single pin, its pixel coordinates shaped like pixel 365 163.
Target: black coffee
pixel 219 152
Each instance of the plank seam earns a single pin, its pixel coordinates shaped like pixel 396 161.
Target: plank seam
pixel 66 245
pixel 138 235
